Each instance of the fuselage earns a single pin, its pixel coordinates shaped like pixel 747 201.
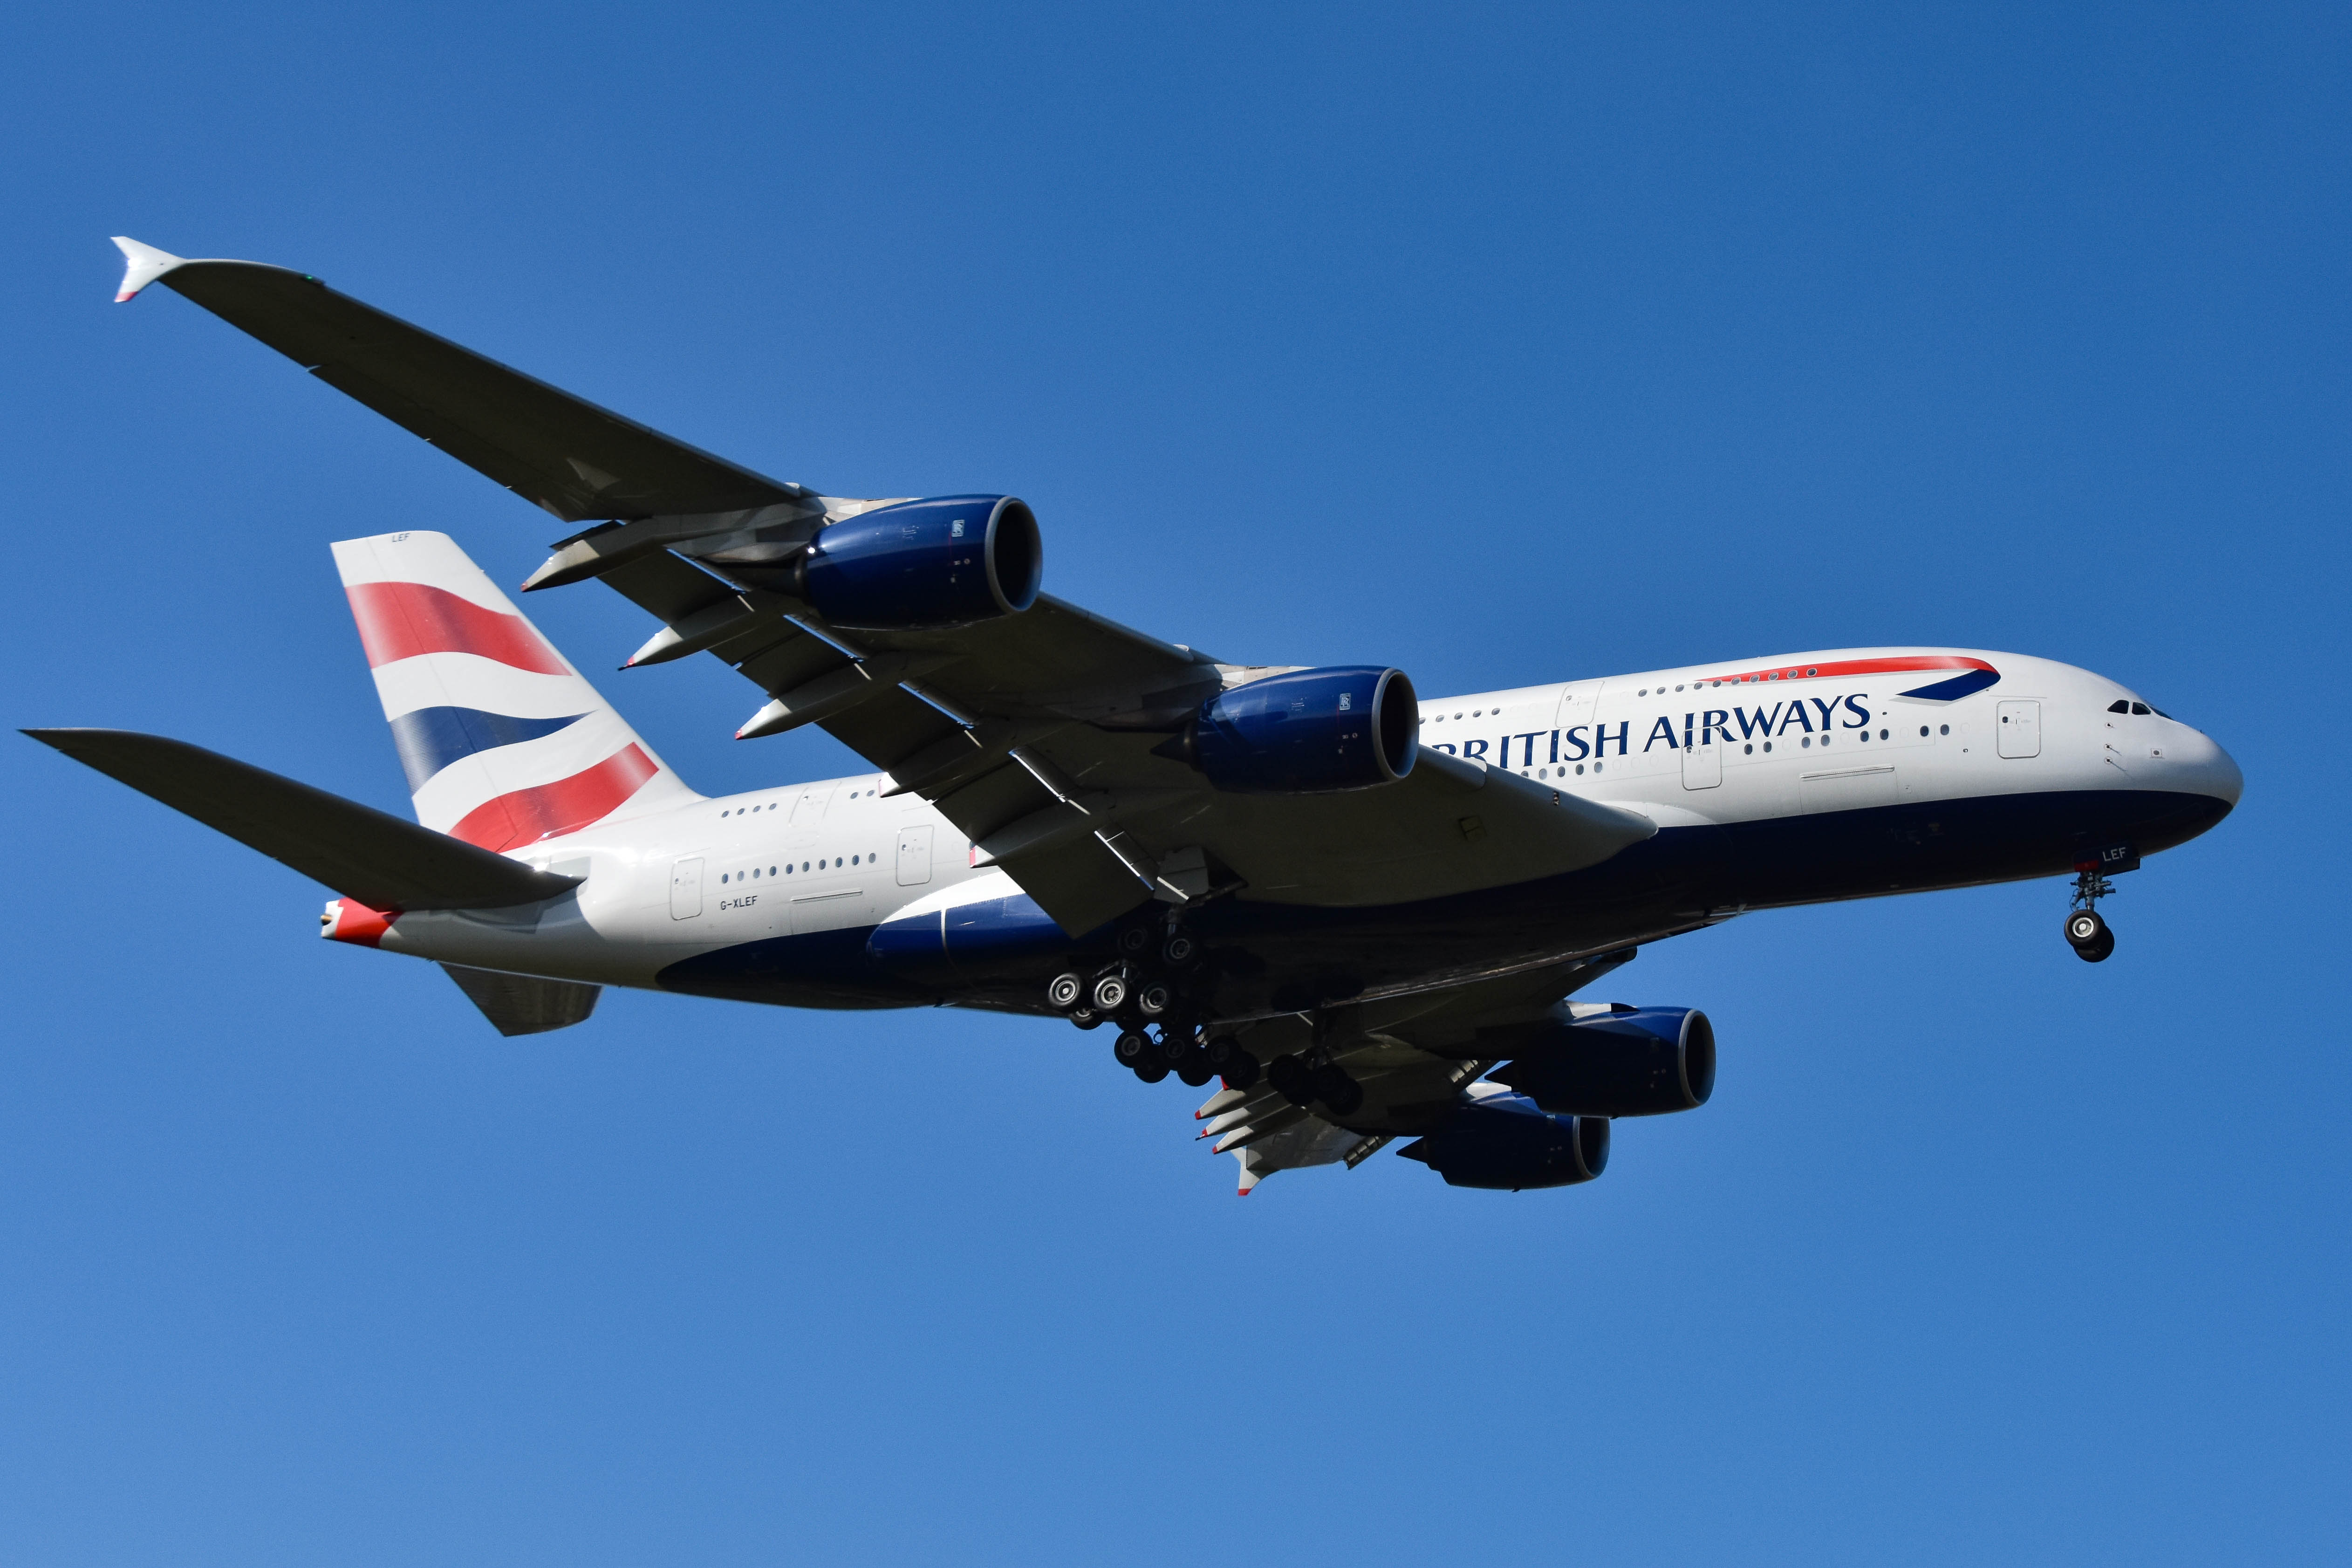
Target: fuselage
pixel 1817 776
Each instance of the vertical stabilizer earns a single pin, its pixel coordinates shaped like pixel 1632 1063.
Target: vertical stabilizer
pixel 503 742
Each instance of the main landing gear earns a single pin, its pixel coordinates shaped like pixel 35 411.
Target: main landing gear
pixel 2086 933
pixel 1149 992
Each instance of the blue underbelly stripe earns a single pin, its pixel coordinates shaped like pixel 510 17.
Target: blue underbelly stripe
pixel 430 739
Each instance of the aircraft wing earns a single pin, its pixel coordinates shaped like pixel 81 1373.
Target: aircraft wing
pixel 565 454
pixel 1039 734
pixel 1411 1054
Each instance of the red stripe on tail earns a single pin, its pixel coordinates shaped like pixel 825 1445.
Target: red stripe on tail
pixel 401 620
pixel 545 810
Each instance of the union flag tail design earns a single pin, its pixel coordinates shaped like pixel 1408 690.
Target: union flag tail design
pixel 504 743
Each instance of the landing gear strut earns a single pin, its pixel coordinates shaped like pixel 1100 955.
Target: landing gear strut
pixel 1158 1006
pixel 2086 933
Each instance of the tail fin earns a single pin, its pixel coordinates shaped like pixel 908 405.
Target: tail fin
pixel 504 743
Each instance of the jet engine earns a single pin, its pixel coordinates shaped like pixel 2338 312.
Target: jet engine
pixel 1627 1061
pixel 1505 1142
pixel 937 562
pixel 1311 732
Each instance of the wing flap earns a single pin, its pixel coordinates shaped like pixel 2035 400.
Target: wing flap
pixel 360 852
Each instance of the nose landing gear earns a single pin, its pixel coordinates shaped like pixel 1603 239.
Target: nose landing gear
pixel 2086 933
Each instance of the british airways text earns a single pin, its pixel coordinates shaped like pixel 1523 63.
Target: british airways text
pixel 1699 727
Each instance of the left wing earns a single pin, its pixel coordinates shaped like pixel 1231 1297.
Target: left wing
pixel 561 452
pixel 1041 735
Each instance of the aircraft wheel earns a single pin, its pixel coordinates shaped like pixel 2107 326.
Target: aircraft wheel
pixel 1155 999
pixel 1291 1079
pixel 1085 1017
pixel 1241 1071
pixel 1110 993
pixel 1194 1069
pixel 2086 929
pixel 1179 951
pixel 1335 1088
pixel 1152 1072
pixel 1134 1049
pixel 2096 951
pixel 1067 991
pixel 1134 940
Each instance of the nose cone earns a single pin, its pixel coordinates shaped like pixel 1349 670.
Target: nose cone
pixel 2200 766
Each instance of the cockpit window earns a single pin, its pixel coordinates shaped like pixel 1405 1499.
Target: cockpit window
pixel 2142 709
pixel 2118 706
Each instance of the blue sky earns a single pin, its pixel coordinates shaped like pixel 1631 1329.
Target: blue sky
pixel 1502 344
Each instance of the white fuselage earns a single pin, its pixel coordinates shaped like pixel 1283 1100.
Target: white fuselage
pixel 1714 745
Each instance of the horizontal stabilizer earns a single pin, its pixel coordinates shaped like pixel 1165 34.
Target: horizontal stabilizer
pixel 360 852
pixel 525 1003
pixel 579 461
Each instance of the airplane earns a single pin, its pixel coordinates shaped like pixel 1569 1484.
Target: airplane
pixel 1366 912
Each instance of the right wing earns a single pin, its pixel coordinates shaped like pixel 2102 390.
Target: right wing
pixel 1413 1055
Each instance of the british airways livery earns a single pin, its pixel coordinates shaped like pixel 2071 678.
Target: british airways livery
pixel 1364 910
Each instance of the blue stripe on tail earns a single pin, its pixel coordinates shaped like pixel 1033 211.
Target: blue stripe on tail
pixel 430 739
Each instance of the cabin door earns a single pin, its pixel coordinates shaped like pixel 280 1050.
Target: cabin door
pixel 685 889
pixel 1703 760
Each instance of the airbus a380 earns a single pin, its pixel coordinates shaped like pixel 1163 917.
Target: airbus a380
pixel 1365 911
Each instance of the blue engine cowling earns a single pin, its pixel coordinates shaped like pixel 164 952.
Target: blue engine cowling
pixel 1629 1061
pixel 1311 732
pixel 944 562
pixel 1505 1142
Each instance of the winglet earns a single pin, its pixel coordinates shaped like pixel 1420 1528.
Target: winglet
pixel 143 264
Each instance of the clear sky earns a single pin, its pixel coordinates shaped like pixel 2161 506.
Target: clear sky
pixel 1503 345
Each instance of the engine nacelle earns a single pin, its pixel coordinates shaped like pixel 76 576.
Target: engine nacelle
pixel 1505 1142
pixel 1642 1061
pixel 938 563
pixel 1311 732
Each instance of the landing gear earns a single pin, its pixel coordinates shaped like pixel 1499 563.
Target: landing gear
pixel 2086 933
pixel 1148 987
pixel 1303 1085
pixel 1229 1061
